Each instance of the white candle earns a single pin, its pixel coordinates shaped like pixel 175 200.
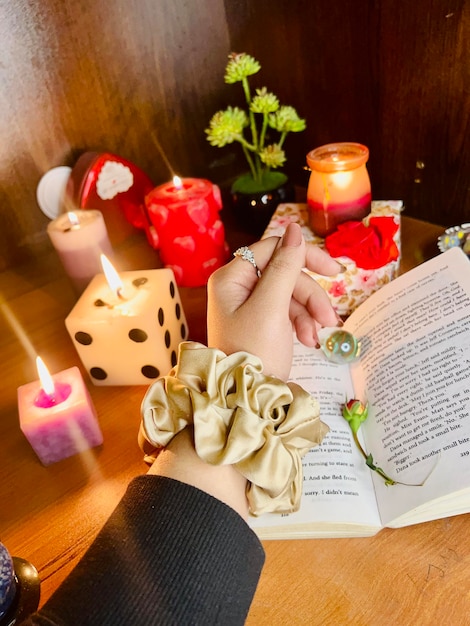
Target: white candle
pixel 128 334
pixel 79 238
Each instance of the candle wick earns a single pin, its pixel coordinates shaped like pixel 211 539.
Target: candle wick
pixel 51 397
pixel 50 394
pixel 120 294
pixel 72 227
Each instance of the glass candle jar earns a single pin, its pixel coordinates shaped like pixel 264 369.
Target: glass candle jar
pixel 19 588
pixel 339 186
pixel 8 586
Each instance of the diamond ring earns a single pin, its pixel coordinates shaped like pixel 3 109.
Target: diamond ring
pixel 247 255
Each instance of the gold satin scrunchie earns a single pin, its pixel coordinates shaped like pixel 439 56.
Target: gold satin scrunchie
pixel 241 417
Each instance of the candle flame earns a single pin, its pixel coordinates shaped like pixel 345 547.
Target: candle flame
pixel 112 277
pixel 73 218
pixel 342 179
pixel 47 384
pixel 177 182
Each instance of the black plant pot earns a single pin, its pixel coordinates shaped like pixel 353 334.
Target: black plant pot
pixel 253 211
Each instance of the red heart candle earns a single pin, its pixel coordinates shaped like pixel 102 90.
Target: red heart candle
pixel 114 186
pixel 191 236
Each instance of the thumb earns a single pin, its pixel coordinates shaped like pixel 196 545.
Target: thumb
pixel 277 283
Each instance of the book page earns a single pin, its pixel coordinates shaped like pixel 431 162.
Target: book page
pixel 338 488
pixel 415 366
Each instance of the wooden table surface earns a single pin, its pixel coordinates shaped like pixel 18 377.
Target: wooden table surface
pixel 50 515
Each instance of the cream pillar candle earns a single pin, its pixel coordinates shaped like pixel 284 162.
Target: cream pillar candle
pixel 128 334
pixel 80 237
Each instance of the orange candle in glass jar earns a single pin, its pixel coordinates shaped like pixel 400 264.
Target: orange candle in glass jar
pixel 339 186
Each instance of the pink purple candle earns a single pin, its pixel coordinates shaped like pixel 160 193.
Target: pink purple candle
pixel 339 186
pixel 191 236
pixel 57 415
pixel 80 237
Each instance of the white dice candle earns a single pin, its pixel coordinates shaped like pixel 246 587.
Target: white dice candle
pixel 57 415
pixel 128 333
pixel 80 237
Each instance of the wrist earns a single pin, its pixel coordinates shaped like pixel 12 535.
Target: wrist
pixel 179 461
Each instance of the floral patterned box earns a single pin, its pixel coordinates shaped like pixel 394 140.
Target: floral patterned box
pixel 349 289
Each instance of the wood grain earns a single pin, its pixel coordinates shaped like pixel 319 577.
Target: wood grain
pixel 141 79
pixel 131 78
pixel 391 75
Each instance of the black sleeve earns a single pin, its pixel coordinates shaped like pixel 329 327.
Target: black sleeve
pixel 169 554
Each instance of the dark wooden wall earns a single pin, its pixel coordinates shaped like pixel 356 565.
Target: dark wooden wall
pixel 142 77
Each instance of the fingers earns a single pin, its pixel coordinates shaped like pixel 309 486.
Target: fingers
pixel 304 325
pixel 316 259
pixel 258 314
pixel 280 261
pixel 314 300
pixel 275 288
pixel 310 308
pixel 319 261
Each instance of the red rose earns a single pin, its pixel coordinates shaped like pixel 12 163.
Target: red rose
pixel 369 246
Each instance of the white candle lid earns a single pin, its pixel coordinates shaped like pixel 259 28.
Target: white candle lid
pixel 50 191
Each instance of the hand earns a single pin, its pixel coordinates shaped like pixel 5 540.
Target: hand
pixel 257 315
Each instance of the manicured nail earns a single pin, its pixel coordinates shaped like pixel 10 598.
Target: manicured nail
pixel 292 237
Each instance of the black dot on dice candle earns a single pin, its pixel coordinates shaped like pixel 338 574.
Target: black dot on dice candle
pixel 167 339
pixel 84 338
pixel 98 373
pixel 149 371
pixel 138 282
pixel 178 310
pixel 183 331
pixel 138 335
pixel 161 317
pixel 174 358
pixel 172 289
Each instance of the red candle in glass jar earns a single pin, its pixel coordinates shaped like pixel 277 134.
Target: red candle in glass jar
pixel 191 236
pixel 339 186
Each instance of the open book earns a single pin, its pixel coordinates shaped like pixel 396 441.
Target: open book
pixel 414 371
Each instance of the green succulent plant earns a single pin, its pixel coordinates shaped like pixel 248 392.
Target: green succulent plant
pixel 251 128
